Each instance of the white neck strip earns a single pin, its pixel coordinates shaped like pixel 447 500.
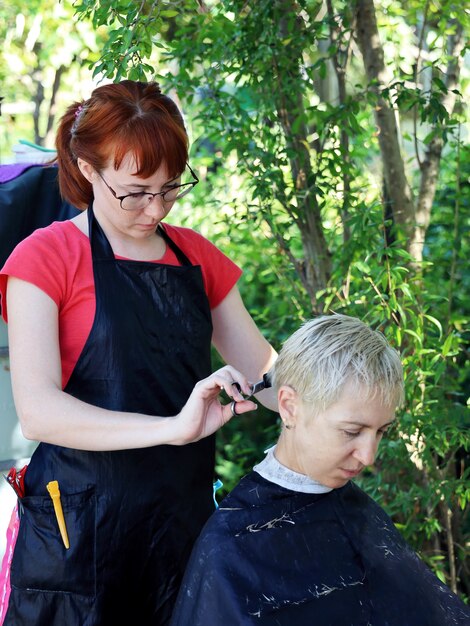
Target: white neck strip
pixel 272 470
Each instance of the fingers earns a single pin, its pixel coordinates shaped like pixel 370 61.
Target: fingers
pixel 238 408
pixel 234 384
pixel 231 381
pixel 204 413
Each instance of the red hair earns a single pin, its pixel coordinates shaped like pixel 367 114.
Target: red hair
pixel 120 118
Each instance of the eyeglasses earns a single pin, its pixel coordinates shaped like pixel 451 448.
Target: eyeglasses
pixel 141 200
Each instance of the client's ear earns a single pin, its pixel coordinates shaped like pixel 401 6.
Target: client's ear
pixel 288 401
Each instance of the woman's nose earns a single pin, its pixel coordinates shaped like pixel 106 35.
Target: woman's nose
pixel 366 451
pixel 156 207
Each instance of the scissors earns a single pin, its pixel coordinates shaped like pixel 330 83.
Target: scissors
pixel 264 383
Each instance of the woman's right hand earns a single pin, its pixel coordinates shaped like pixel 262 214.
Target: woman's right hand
pixel 204 413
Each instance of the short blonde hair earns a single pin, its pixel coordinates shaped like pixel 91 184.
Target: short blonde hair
pixel 327 352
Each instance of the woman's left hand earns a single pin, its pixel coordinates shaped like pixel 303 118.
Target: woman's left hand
pixel 204 413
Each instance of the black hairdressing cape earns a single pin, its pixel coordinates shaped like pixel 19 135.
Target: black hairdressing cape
pixel 274 557
pixel 29 199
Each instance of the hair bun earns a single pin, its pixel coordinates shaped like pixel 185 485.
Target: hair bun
pixel 153 88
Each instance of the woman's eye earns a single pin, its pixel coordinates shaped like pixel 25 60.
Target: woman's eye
pixel 350 433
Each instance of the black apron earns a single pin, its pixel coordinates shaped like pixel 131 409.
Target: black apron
pixel 132 516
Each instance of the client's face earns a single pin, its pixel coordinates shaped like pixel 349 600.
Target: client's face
pixel 336 444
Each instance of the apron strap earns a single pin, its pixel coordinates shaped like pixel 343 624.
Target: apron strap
pixel 101 248
pixel 180 255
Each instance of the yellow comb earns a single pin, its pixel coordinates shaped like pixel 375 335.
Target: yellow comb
pixel 53 489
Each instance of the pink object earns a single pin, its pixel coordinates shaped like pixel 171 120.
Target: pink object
pixel 12 534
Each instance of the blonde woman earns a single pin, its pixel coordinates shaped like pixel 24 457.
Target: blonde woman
pixel 297 543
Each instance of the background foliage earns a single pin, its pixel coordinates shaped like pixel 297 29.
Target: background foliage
pixel 331 138
pixel 42 67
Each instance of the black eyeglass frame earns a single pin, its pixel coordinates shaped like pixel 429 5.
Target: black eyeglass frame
pixel 189 187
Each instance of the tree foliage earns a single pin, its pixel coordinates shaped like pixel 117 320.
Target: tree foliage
pixel 42 53
pixel 331 139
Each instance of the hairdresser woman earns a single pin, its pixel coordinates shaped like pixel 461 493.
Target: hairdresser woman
pixel 111 317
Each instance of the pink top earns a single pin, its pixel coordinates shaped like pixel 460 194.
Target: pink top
pixel 57 259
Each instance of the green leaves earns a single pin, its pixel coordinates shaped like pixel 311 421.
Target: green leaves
pixel 292 188
pixel 134 33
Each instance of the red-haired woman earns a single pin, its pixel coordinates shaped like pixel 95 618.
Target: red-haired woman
pixel 111 318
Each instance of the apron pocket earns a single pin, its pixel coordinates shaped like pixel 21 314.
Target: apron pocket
pixel 41 561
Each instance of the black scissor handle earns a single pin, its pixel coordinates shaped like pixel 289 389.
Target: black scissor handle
pixel 264 383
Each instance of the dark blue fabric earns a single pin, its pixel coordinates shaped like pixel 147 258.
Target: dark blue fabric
pixel 29 201
pixel 132 515
pixel 273 557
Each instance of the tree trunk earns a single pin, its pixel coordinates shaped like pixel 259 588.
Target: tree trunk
pixel 340 59
pixel 52 103
pixel 431 162
pixel 398 188
pixel 414 220
pixel 291 113
pixel 39 93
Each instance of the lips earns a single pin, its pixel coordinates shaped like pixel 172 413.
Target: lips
pixel 351 473
pixel 147 226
